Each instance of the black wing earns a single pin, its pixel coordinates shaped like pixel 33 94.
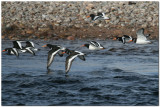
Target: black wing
pixel 51 55
pixel 69 60
pixel 29 44
pixel 94 43
pixel 99 14
pixel 15 51
pixel 81 57
pixel 126 36
pixel 17 45
pixel 30 50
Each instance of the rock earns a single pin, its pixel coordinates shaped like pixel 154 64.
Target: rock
pixel 100 25
pixel 89 6
pixel 18 16
pixel 43 29
pixel 71 37
pixel 29 31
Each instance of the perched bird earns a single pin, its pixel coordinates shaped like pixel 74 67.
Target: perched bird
pixel 54 49
pixel 123 39
pixel 72 55
pixel 141 37
pixel 11 51
pixel 99 16
pixel 93 45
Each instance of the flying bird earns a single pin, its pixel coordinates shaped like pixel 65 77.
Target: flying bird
pixel 72 55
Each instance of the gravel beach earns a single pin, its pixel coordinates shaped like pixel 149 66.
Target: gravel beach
pixel 67 20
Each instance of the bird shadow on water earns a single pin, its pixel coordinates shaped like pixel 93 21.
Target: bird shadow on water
pixel 49 71
pixel 56 72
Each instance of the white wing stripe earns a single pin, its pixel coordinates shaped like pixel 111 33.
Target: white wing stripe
pixel 69 61
pixel 51 58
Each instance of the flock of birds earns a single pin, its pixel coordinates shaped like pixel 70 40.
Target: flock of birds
pixel 72 54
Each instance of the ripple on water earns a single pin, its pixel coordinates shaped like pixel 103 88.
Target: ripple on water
pixel 106 78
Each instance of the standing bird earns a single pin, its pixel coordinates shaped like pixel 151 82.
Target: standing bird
pixel 99 16
pixel 123 39
pixel 54 49
pixel 93 45
pixel 141 38
pixel 72 55
pixel 11 51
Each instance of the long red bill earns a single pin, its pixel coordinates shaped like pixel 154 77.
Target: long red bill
pixel 44 45
pixel 82 45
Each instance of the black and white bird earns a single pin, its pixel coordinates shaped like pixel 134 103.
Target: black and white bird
pixel 54 49
pixel 11 51
pixel 18 45
pixel 123 39
pixel 21 49
pixel 93 45
pixel 141 37
pixel 31 45
pixel 99 16
pixel 72 55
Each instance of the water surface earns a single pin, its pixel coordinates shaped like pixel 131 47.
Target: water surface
pixel 122 74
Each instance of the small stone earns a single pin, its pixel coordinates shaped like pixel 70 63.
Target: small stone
pixel 100 25
pixel 29 31
pixel 71 37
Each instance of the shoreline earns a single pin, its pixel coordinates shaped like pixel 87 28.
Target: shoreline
pixel 55 33
pixel 68 20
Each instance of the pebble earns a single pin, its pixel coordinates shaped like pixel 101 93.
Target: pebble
pixel 70 14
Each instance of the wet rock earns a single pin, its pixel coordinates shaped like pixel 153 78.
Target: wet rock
pixel 71 37
pixel 29 31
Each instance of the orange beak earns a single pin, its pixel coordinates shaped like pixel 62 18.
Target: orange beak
pixel 63 52
pixel 44 45
pixel 82 45
pixel 130 41
pixel 88 16
pixel 114 38
pixel 3 50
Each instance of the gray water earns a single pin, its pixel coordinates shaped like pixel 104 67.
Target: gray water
pixel 122 74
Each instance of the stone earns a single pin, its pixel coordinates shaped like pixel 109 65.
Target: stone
pixel 29 31
pixel 71 37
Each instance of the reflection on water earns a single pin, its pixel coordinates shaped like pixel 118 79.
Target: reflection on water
pixel 122 74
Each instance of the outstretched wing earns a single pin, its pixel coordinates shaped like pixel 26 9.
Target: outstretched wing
pixel 51 55
pixel 30 50
pixel 123 40
pixel 69 60
pixel 29 44
pixel 140 34
pixel 81 57
pixel 17 44
pixel 15 51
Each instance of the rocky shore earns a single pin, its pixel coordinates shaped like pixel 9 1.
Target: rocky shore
pixel 67 20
